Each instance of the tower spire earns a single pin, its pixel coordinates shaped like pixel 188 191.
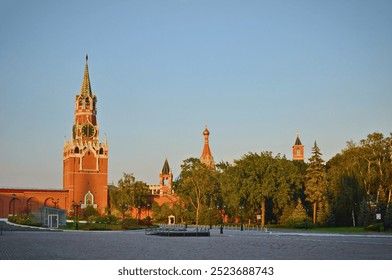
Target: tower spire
pixel 206 155
pixel 166 168
pixel 86 87
pixel 297 140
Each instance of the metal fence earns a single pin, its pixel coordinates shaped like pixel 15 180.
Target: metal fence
pixel 165 230
pixel 225 226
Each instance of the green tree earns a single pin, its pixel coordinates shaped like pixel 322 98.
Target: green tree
pixel 140 193
pixel 129 194
pixel 232 190
pixel 345 187
pixel 195 185
pixel 298 217
pixel 365 214
pixel 121 197
pixel 360 172
pixel 90 213
pixel 161 213
pixel 376 153
pixel 316 180
pixel 256 179
pixel 388 218
pixel 288 182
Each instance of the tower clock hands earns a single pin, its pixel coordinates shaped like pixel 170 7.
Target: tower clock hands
pixel 88 130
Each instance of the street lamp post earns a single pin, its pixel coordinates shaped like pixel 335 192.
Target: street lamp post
pixel 222 212
pixel 13 204
pixel 185 217
pixel 210 208
pixel 242 217
pixel 76 207
pixel 148 214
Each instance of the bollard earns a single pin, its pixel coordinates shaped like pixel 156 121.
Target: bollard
pixel 1 229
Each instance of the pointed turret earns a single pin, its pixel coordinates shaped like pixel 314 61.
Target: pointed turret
pixel 298 141
pixel 86 101
pixel 105 140
pixel 206 155
pixel 86 87
pixel 165 179
pixel 298 149
pixel 166 168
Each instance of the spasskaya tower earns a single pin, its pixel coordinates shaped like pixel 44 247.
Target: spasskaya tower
pixel 85 158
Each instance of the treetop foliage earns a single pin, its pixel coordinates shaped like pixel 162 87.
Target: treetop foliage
pixel 347 190
pixel 129 194
pixel 267 184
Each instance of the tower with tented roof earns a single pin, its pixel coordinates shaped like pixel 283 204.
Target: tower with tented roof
pixel 298 149
pixel 206 155
pixel 85 157
pixel 166 178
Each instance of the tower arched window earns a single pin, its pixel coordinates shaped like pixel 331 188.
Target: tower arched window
pixel 89 198
pixel 76 150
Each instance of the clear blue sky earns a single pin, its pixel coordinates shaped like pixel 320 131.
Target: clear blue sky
pixel 255 71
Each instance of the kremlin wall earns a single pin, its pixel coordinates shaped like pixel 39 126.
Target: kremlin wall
pixel 85 169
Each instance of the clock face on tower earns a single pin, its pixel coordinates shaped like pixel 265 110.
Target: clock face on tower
pixel 88 130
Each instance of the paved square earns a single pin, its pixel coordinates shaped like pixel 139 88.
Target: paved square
pixel 232 244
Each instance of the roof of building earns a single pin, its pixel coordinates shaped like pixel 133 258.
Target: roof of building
pixel 26 189
pixel 166 168
pixel 206 151
pixel 298 141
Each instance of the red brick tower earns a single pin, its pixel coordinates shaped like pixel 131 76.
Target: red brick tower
pixel 85 159
pixel 166 178
pixel 298 150
pixel 206 155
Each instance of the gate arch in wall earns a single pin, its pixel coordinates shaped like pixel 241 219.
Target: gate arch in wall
pixel 32 205
pixel 15 206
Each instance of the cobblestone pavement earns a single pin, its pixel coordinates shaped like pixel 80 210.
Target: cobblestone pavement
pixel 5 226
pixel 232 244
